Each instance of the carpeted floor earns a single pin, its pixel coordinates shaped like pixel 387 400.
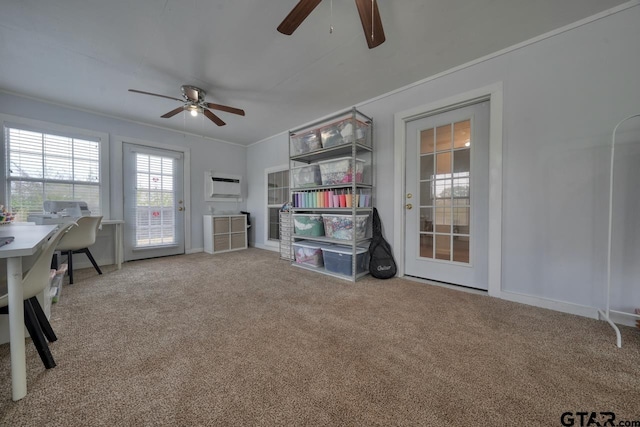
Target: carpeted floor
pixel 244 339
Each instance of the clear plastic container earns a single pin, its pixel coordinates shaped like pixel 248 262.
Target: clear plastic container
pixel 306 176
pixel 308 253
pixel 305 142
pixel 340 171
pixel 338 259
pixel 308 225
pixel 341 226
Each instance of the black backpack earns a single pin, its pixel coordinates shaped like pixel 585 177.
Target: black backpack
pixel 381 263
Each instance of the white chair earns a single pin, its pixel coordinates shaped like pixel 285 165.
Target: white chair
pixel 34 282
pixel 78 240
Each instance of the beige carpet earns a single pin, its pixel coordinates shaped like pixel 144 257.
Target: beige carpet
pixel 245 339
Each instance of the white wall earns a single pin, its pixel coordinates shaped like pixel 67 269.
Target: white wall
pixel 562 97
pixel 206 154
pixel 266 154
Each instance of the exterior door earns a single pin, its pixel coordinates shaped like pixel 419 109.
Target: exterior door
pixel 153 202
pixel 446 200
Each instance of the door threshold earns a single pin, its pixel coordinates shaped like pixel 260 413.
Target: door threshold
pixel 447 285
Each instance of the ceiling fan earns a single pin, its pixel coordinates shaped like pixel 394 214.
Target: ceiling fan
pixel 369 16
pixel 193 101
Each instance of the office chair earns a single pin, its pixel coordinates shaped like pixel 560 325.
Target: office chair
pixel 34 282
pixel 78 240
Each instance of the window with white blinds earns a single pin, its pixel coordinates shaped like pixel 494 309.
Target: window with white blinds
pixel 50 166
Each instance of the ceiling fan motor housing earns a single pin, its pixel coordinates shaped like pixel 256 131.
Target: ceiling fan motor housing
pixel 193 93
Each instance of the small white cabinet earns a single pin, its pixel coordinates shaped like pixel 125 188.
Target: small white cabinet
pixel 224 233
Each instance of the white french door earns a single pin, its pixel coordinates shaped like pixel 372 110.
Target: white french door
pixel 153 202
pixel 447 193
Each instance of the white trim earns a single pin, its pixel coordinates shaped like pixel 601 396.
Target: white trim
pixel 193 251
pixel 44 127
pixel 564 307
pixel 119 140
pixel 265 204
pixel 266 248
pixel 494 94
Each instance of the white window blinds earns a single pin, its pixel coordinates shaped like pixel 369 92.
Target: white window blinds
pixel 45 166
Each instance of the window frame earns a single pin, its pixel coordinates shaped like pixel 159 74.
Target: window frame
pixel 62 130
pixel 267 206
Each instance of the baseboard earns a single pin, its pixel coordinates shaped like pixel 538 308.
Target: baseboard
pixel 626 319
pixel 564 307
pixel 193 251
pixel 266 247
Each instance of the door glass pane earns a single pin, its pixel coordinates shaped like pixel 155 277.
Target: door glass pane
pixel 426 167
pixel 426 195
pixel 426 219
pixel 462 161
pixel 462 134
pixel 443 219
pixel 443 246
pixel 461 220
pixel 443 138
pixel 426 141
pixel 426 245
pixel 461 249
pixel 443 164
pixel 443 189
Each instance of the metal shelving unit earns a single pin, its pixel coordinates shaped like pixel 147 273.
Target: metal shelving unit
pixel 357 146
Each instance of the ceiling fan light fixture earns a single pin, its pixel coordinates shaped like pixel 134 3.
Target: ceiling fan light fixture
pixel 193 109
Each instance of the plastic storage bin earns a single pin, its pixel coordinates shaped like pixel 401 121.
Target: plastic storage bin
pixel 305 142
pixel 341 226
pixel 342 133
pixel 308 225
pixel 306 176
pixel 308 253
pixel 337 259
pixel 340 171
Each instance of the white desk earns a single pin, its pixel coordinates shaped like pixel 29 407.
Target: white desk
pixel 28 239
pixel 117 223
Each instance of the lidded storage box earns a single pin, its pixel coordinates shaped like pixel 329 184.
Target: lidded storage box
pixel 308 225
pixel 341 171
pixel 341 226
pixel 305 142
pixel 342 132
pixel 338 259
pixel 306 176
pixel 308 253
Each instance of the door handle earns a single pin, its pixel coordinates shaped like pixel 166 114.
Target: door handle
pixel 409 206
pixel 181 208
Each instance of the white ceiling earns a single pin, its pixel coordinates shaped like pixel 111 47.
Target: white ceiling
pixel 87 53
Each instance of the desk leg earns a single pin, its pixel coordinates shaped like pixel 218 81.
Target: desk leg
pixel 16 328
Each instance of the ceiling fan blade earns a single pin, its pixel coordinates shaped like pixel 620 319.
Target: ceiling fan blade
pixel 297 15
pixel 215 119
pixel 155 94
pixel 172 112
pixel 225 108
pixel 372 27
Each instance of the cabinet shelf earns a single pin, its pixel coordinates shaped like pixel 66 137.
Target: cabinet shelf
pixel 331 187
pixel 224 233
pixel 330 153
pixel 341 210
pixel 323 239
pixel 329 273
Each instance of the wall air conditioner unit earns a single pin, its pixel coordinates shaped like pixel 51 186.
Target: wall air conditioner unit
pixel 222 187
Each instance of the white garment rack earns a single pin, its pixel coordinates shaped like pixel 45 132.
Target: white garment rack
pixel 608 311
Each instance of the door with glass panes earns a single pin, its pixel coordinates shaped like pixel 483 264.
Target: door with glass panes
pixel 446 200
pixel 154 205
